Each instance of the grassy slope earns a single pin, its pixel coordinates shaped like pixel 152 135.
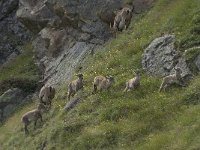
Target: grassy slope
pixel 22 67
pixel 143 119
pixel 21 72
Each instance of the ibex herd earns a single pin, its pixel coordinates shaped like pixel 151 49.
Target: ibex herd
pixel 47 93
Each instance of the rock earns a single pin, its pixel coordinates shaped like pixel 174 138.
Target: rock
pixel 97 41
pixel 160 57
pixel 56 40
pixel 72 103
pixel 67 39
pixel 84 37
pixel 62 68
pixel 142 5
pixel 7 8
pixel 197 62
pixel 25 84
pixel 66 32
pixel 11 57
pixel 186 73
pixel 34 14
pixel 12 96
pixel 13 33
pixel 194 56
pixel 10 100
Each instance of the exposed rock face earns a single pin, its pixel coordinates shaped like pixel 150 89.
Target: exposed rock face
pixel 34 14
pixel 68 31
pixel 9 102
pixel 13 34
pixel 160 57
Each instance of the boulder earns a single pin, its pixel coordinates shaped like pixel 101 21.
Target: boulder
pixel 160 57
pixel 72 103
pixel 142 5
pixel 34 14
pixel 9 101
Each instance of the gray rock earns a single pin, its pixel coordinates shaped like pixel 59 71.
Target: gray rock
pixel 13 33
pixel 62 68
pixel 69 41
pixel 11 57
pixel 97 41
pixel 197 62
pixel 84 37
pixel 12 96
pixel 192 56
pixel 10 100
pixel 142 5
pixel 72 103
pixel 67 31
pixel 160 57
pixel 34 14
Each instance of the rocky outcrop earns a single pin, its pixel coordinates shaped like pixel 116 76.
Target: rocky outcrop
pixel 68 31
pixel 9 101
pixel 13 34
pixel 160 57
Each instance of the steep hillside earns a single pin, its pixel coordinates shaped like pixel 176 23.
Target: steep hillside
pixel 143 119
pixel 21 69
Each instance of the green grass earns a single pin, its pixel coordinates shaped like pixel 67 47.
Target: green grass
pixel 21 72
pixel 22 67
pixel 143 119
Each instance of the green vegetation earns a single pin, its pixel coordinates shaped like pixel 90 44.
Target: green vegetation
pixel 22 67
pixel 143 119
pixel 21 72
pixel 190 55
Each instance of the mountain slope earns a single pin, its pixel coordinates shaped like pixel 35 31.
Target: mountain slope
pixel 143 119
